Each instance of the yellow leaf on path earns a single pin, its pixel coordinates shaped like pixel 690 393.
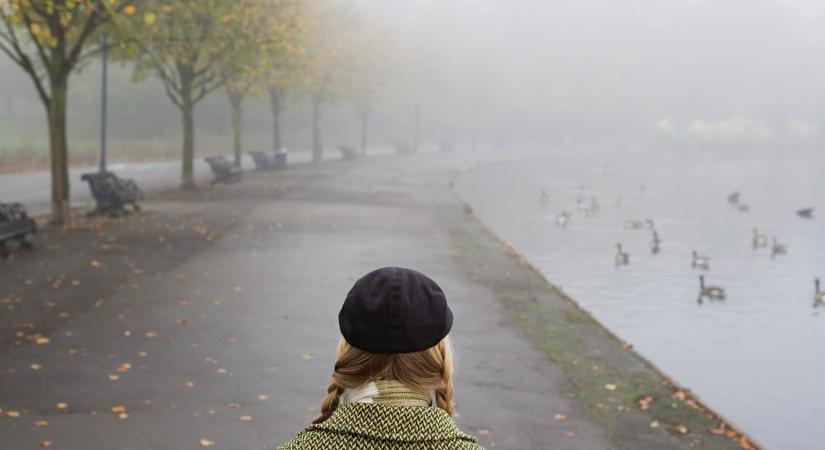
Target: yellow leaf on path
pixel 246 418
pixel 46 444
pixel 308 356
pixel 123 416
pixel 13 414
pixel 114 377
pixel 120 409
pixel 36 366
pixel 149 18
pixel 483 431
pixel 62 405
pixel 654 424
pixel 681 429
pixel 129 10
pixel 96 264
pixel 610 387
pixel 41 423
pixel 42 340
pixel 560 417
pixel 189 384
pixel 207 443
pixel 263 397
pixel 151 334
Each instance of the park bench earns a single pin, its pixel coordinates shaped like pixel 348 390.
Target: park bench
pixel 223 170
pixel 112 193
pixel 403 147
pixel 15 225
pixel 347 152
pixel 263 161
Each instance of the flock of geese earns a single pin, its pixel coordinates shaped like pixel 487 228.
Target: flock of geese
pixel 699 262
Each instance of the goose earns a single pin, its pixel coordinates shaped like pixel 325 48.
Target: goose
pixel 700 262
pixel 778 249
pixel 562 219
pixel 819 296
pixel 656 243
pixel 806 213
pixel 544 199
pixel 759 240
pixel 633 224
pixel 733 198
pixel 622 258
pixel 711 292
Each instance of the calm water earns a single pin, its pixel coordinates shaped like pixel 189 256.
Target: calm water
pixel 757 357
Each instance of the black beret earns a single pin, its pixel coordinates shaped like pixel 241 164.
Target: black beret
pixel 395 310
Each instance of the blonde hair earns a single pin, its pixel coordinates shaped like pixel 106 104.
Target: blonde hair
pixel 431 370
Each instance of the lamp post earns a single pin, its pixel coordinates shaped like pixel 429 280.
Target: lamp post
pixel 103 101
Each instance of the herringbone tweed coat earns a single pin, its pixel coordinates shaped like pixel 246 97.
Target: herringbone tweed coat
pixel 356 426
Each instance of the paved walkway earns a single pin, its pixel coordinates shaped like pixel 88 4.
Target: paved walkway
pixel 231 340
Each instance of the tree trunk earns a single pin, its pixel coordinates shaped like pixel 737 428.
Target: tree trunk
pixel 365 117
pixel 59 152
pixel 276 106
pixel 416 126
pixel 188 156
pixel 317 145
pixel 236 100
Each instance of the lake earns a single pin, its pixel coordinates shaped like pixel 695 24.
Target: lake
pixel 757 357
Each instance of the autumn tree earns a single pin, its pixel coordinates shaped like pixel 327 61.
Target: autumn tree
pixel 261 35
pixel 181 42
pixel 370 72
pixel 326 42
pixel 49 40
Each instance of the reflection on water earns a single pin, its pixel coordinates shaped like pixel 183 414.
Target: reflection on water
pixel 757 355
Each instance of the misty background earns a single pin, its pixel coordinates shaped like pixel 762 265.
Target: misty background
pixel 733 74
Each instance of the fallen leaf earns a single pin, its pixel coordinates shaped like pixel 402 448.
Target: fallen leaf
pixel 681 429
pixel 610 387
pixel 13 414
pixel 120 409
pixel 222 371
pixel 41 423
pixel 654 424
pixel 113 377
pixel 95 263
pixel 189 384
pixel 62 405
pixel 151 334
pixel 560 417
pixel 483 431
pixel 263 397
pixel 234 405
pixel 36 366
pixel 307 356
pixel 207 443
pixel 42 340
pixel 645 402
pixel 125 367
pixel 246 418
pixel 46 444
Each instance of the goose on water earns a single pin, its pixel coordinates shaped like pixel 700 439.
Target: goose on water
pixel 806 213
pixel 709 292
pixel 733 198
pixel 819 296
pixel 656 243
pixel 622 258
pixel 778 248
pixel 759 240
pixel 562 219
pixel 700 262
pixel 632 224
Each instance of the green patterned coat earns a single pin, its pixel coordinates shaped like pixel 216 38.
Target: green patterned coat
pixel 355 426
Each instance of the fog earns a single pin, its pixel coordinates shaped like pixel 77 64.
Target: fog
pixel 737 73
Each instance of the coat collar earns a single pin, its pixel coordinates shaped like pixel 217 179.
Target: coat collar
pixel 393 423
